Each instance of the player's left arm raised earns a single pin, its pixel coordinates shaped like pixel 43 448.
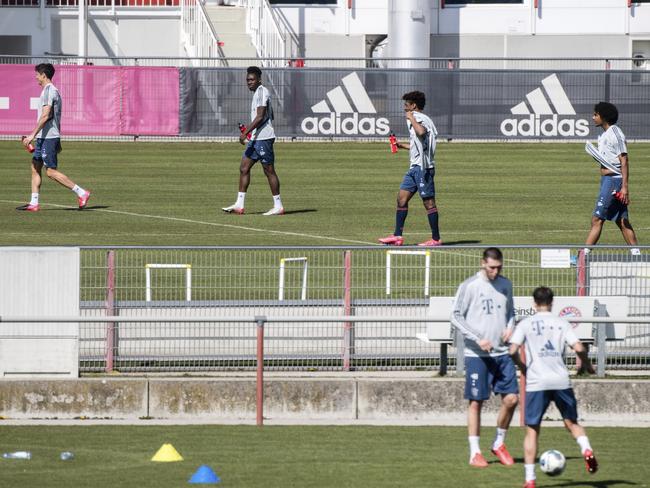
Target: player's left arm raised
pixel 259 118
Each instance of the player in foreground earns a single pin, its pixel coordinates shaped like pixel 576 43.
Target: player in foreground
pixel 547 378
pixel 614 194
pixel 419 177
pixel 483 311
pixel 48 141
pixel 260 146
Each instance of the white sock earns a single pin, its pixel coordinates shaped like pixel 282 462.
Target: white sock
pixel 586 250
pixel 34 200
pixel 473 445
pixel 78 190
pixel 583 442
pixel 499 438
pixel 241 196
pixel 277 202
pixel 530 471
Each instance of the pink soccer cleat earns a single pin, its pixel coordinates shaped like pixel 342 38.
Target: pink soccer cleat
pixel 590 461
pixel 431 243
pixel 275 211
pixel 503 455
pixel 529 484
pixel 234 209
pixel 28 207
pixel 478 461
pixel 392 240
pixel 83 200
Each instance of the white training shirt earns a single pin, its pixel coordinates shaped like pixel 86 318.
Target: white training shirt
pixel 611 144
pixel 483 309
pixel 422 149
pixel 50 96
pixel 262 98
pixel 544 336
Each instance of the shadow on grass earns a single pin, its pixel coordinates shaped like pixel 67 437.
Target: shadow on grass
pixel 288 212
pixel 85 209
pixel 458 243
pixel 594 484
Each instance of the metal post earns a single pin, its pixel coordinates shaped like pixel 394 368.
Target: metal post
pixel 260 320
pixel 443 359
pixel 348 327
pixel 83 31
pixel 601 336
pixel 110 310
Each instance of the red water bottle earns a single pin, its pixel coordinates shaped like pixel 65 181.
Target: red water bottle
pixel 242 130
pixel 30 147
pixel 393 143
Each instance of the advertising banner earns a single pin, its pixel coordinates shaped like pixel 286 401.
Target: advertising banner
pixel 469 104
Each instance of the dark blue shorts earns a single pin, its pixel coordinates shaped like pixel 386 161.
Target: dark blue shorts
pixel 484 375
pixel 261 151
pixel 607 206
pixel 46 150
pixel 538 401
pixel 418 181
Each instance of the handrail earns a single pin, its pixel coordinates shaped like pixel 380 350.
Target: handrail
pixel 267 33
pixel 198 35
pixel 289 319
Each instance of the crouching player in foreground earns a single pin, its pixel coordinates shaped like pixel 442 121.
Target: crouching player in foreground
pixel 547 378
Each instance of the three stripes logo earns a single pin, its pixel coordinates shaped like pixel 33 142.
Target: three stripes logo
pixel 543 119
pixel 334 119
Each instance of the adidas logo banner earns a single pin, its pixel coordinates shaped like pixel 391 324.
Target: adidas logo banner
pixel 546 112
pixel 365 103
pixel 346 110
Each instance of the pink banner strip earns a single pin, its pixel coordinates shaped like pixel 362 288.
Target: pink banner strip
pixel 97 100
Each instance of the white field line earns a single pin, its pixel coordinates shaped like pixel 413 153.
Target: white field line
pixel 213 224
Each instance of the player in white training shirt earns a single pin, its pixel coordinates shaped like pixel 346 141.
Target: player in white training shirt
pixel 420 176
pixel 47 136
pixel 483 311
pixel 260 146
pixel 544 337
pixel 614 194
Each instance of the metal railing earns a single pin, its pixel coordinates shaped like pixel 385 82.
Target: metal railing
pixel 91 3
pixel 340 281
pixel 208 60
pixel 198 35
pixel 336 343
pixel 268 34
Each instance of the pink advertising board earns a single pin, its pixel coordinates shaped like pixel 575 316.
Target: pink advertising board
pixel 97 100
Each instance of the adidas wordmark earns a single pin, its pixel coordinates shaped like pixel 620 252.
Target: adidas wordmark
pixel 544 119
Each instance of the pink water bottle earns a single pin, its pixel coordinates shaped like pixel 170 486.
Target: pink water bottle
pixel 30 147
pixel 393 143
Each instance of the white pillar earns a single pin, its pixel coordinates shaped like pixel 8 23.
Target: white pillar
pixel 409 32
pixel 83 31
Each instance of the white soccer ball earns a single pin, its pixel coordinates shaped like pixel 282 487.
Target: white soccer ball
pixel 552 462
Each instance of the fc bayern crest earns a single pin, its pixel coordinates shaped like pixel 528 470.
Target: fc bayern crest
pixel 568 312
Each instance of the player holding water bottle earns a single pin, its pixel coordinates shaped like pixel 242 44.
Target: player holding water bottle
pixel 419 177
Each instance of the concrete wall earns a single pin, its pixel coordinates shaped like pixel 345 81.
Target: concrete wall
pixel 396 398
pixel 127 34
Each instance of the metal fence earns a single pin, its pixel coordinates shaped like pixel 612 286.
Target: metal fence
pixel 316 284
pixel 450 63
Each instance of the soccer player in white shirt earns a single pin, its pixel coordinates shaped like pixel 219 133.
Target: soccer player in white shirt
pixel 47 135
pixel 260 145
pixel 483 311
pixel 547 379
pixel 420 176
pixel 614 170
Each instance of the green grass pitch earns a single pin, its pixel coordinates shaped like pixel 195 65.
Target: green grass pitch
pixel 151 193
pixel 305 456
